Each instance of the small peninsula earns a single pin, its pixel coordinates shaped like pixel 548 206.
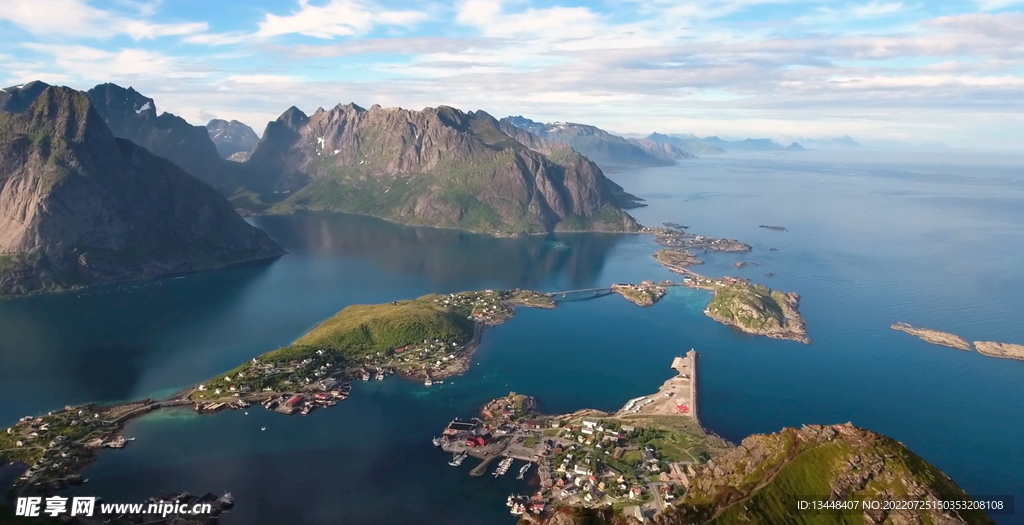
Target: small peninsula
pixel 934 336
pixel 751 482
pixel 652 462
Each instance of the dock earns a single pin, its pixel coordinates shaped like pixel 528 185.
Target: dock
pixel 677 396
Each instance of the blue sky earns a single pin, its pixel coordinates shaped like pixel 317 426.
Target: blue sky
pixel 921 71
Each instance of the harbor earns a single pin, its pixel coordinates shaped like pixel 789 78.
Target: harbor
pixel 641 454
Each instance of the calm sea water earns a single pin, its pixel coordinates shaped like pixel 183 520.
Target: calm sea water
pixel 872 240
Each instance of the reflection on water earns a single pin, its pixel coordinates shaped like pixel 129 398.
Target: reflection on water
pixel 445 257
pixel 133 340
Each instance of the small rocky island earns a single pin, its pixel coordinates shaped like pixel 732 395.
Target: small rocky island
pixel 645 294
pixel 755 309
pixel 770 227
pixel 677 259
pixel 1004 350
pixel 934 336
pixel 987 348
pixel 674 238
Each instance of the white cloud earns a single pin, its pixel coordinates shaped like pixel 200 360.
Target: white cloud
pixel 76 18
pixel 91 64
pixel 992 5
pixel 336 18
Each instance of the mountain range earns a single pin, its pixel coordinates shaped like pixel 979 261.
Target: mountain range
pixel 80 206
pixel 437 167
pixel 602 147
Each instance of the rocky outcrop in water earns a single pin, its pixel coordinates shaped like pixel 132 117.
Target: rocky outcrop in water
pixel 80 207
pixel 934 336
pixel 1004 350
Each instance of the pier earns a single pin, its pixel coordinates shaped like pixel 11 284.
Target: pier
pixel 677 396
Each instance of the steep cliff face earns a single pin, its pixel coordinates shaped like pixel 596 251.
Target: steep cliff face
pixel 133 116
pixel 438 167
pixel 231 137
pixel 79 206
pixel 597 144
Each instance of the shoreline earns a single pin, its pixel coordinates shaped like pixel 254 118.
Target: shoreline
pixel 791 313
pixel 572 451
pixel 173 275
pixel 121 414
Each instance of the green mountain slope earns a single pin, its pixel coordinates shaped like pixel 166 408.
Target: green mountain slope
pixel 436 167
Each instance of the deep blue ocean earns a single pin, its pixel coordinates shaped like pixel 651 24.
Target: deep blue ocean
pixel 873 238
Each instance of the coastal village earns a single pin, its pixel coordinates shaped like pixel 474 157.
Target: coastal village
pixel 637 460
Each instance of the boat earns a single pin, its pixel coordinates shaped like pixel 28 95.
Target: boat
pixel 457 459
pixel 428 382
pixel 263 428
pixel 503 467
pixel 436 441
pixel 517 509
pixel 522 471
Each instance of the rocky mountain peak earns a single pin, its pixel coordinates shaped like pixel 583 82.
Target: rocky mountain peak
pixel 16 99
pixel 293 118
pixel 440 166
pixel 131 115
pixel 231 137
pixel 80 207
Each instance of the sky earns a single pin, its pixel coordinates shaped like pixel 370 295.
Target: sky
pixel 921 71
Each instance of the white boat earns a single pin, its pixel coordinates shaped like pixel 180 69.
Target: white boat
pixel 457 459
pixel 522 471
pixel 437 441
pixel 503 467
pixel 263 428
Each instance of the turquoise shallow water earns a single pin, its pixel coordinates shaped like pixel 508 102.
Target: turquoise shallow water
pixel 872 240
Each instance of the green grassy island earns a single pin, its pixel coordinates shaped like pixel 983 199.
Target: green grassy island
pixel 755 309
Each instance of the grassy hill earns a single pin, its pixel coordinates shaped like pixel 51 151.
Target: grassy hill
pixel 367 328
pixel 757 309
pixel 760 481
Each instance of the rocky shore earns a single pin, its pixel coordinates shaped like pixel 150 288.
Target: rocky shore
pixel 677 260
pixel 673 238
pixel 934 336
pixel 644 294
pixel 760 311
pixel 1003 350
